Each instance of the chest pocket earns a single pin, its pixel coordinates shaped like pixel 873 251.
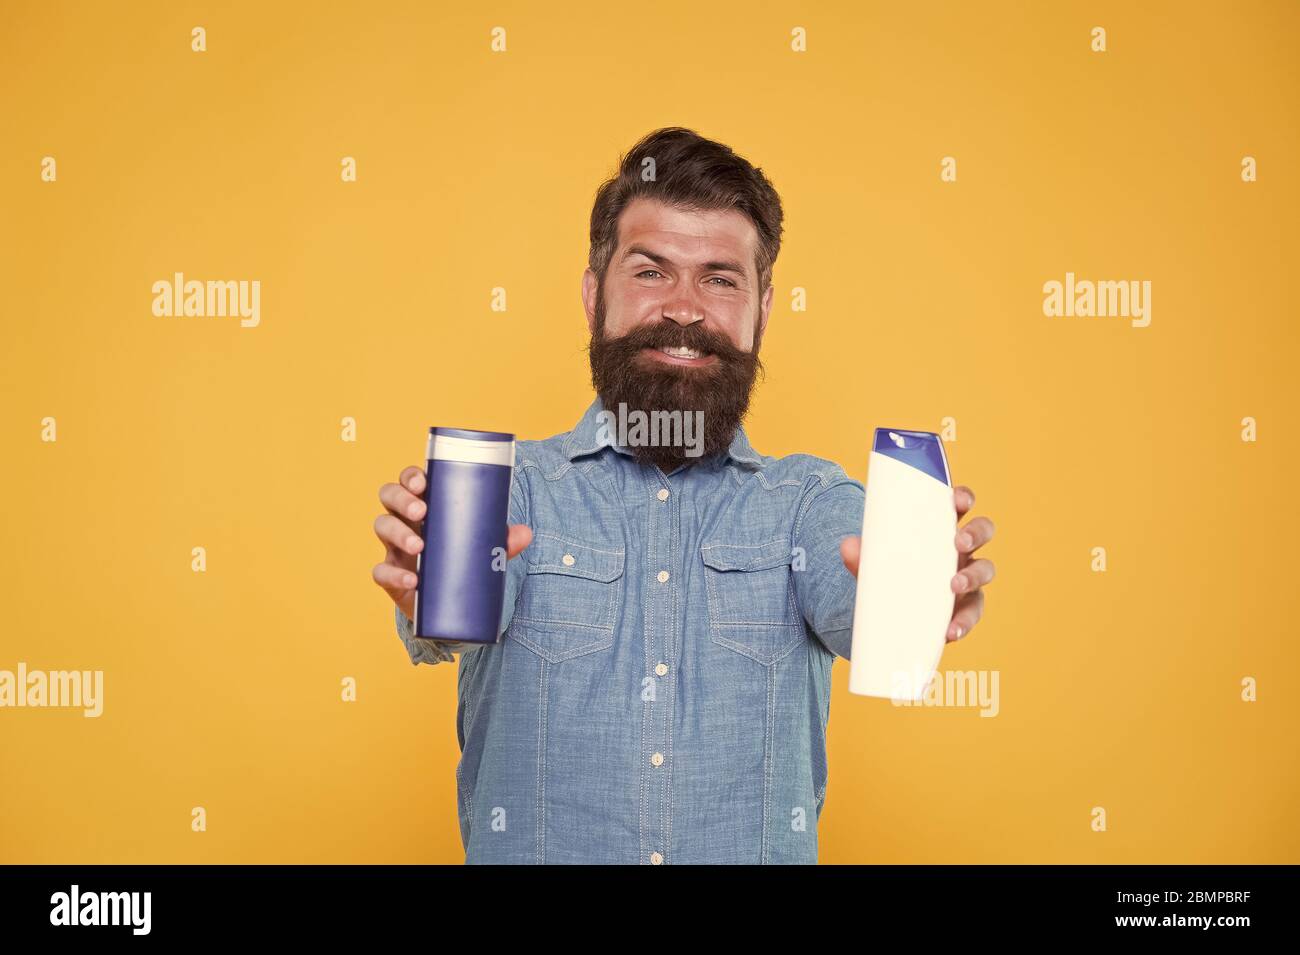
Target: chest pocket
pixel 752 608
pixel 569 601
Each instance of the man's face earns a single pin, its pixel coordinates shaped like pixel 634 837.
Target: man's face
pixel 677 323
pixel 689 268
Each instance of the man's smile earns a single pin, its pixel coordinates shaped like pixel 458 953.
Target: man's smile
pixel 674 355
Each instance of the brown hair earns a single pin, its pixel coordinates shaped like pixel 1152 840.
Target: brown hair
pixel 694 173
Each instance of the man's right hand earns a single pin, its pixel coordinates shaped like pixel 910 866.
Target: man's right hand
pixel 401 532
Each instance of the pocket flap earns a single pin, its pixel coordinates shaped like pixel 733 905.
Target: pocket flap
pixel 552 554
pixel 722 556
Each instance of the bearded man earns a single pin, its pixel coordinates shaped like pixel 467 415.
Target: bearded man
pixel 661 687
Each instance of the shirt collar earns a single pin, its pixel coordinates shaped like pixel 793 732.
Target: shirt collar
pixel 587 437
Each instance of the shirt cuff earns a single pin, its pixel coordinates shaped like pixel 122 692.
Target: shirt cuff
pixel 419 649
pixel 838 637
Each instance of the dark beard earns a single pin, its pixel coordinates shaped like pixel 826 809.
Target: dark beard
pixel 720 390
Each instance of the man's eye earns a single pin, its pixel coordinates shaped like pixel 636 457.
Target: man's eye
pixel 647 272
pixel 721 279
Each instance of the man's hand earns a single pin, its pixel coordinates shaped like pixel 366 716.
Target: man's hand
pixel 972 574
pixel 400 530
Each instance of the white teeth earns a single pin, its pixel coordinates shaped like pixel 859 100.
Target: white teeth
pixel 681 352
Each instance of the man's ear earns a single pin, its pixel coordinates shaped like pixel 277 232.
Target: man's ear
pixel 589 299
pixel 765 310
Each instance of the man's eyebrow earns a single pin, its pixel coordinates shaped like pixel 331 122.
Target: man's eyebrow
pixel 726 265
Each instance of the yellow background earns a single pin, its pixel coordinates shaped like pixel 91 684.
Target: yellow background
pixel 222 689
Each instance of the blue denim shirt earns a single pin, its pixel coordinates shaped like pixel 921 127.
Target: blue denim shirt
pixel 661 690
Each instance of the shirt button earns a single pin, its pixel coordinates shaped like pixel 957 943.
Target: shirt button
pixel 656 858
pixel 661 669
pixel 657 759
pixel 568 560
pixel 663 576
pixel 663 494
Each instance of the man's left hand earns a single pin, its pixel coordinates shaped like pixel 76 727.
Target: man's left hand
pixel 972 573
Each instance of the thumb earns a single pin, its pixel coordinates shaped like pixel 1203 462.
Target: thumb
pixel 850 551
pixel 520 536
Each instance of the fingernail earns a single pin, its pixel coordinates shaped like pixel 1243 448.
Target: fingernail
pixel 960 581
pixel 957 633
pixel 414 509
pixel 412 544
pixel 966 541
pixel 411 581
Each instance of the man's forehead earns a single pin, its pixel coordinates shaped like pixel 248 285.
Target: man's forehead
pixel 697 233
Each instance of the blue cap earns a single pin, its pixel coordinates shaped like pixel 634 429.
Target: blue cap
pixel 918 449
pixel 472 435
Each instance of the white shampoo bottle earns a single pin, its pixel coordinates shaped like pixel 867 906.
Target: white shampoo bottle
pixel 909 556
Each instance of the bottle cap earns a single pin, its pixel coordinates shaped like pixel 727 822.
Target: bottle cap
pixel 471 447
pixel 922 450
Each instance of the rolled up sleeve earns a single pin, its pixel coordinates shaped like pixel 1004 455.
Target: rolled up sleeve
pixel 824 587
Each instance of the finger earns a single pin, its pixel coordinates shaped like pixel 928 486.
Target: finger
pixel 977 532
pixel 969 608
pixel 963 498
pixel 402 504
pixel 397 581
pixel 519 537
pixel 399 558
pixel 973 576
pixel 398 535
pixel 412 479
pixel 851 552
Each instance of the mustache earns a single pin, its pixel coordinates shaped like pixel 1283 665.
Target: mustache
pixel 671 335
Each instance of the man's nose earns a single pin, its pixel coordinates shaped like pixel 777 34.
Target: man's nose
pixel 684 309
